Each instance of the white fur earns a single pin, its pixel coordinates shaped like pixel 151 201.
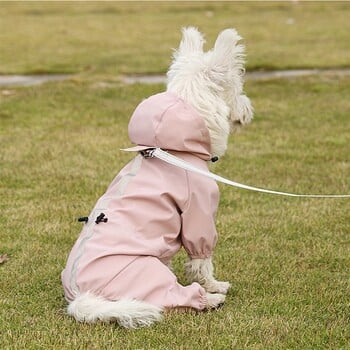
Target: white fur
pixel 215 300
pixel 202 271
pixel 128 313
pixel 212 82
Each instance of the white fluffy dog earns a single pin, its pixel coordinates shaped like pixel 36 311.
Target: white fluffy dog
pixel 118 269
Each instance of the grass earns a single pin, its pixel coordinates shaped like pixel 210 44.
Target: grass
pixel 108 37
pixel 287 259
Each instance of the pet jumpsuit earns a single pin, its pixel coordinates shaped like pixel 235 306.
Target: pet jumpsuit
pixel 151 210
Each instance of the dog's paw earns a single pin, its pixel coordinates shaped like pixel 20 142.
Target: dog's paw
pixel 218 287
pixel 215 300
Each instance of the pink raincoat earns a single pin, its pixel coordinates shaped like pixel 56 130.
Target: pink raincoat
pixel 152 209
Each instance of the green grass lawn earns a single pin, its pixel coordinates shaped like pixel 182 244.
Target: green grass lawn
pixel 117 38
pixel 288 259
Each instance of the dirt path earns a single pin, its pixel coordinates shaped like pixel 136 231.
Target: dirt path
pixel 254 75
pixel 28 80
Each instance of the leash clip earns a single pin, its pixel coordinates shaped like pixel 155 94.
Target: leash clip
pixel 148 153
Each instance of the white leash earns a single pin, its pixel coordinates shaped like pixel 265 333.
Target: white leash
pixel 171 159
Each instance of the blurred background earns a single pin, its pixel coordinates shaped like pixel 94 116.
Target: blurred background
pixel 138 37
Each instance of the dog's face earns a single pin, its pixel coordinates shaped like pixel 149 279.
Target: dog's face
pixel 212 82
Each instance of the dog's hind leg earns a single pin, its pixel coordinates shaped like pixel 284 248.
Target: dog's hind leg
pixel 202 271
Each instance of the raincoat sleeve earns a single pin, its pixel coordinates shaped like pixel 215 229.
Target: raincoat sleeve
pixel 198 233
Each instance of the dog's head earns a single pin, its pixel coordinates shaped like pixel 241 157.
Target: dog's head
pixel 212 82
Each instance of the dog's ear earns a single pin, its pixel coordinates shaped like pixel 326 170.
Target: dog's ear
pixel 192 41
pixel 227 53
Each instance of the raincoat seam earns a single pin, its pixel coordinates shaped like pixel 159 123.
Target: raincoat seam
pixel 187 202
pixel 161 119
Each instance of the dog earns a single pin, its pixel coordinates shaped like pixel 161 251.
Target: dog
pixel 118 269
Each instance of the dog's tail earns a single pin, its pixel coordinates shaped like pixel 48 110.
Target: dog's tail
pixel 128 313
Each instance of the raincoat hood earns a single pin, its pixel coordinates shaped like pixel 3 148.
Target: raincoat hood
pixel 166 121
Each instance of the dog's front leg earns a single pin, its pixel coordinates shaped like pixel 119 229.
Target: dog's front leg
pixel 202 271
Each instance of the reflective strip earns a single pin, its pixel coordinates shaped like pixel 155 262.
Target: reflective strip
pixel 101 206
pixel 125 180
